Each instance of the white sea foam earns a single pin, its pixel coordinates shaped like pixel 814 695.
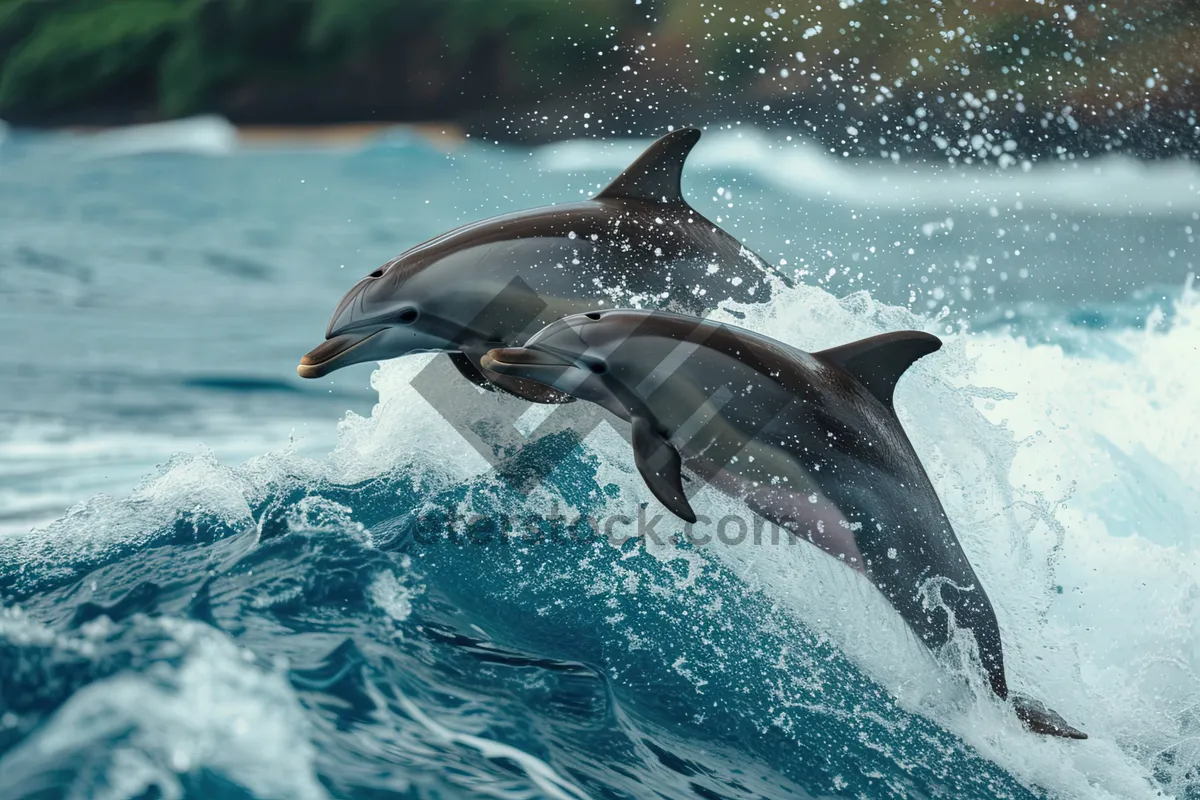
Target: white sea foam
pixel 47 467
pixel 403 429
pixel 801 167
pixel 540 774
pixel 205 135
pixel 216 711
pixel 392 595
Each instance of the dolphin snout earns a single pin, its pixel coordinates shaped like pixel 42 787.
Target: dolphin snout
pixel 334 353
pixel 520 360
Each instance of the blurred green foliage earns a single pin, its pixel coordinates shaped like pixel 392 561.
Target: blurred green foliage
pixel 56 52
pixel 59 54
pixel 106 43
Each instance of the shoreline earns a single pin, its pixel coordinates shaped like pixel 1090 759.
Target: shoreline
pixel 440 134
pixel 443 135
pixel 1003 144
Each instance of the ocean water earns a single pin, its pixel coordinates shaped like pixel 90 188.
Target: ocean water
pixel 220 581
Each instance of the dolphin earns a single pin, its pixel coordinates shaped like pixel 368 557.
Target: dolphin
pixel 495 282
pixel 810 441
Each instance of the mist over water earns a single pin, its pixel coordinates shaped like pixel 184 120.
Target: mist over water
pixel 223 593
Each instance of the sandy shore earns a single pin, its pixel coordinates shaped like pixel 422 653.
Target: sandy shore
pixel 442 135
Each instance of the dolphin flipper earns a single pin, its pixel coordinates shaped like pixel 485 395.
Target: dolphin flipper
pixel 661 467
pixel 878 362
pixel 526 390
pixel 1039 719
pixel 654 177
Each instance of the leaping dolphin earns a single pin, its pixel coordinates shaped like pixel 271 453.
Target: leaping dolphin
pixel 495 282
pixel 811 442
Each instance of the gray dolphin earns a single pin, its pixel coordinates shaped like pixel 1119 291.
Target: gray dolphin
pixel 495 282
pixel 811 442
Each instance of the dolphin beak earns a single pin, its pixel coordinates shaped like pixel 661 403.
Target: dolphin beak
pixel 334 353
pixel 523 362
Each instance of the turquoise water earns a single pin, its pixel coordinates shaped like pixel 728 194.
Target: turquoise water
pixel 216 581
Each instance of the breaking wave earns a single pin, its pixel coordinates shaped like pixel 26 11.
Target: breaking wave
pixel 290 627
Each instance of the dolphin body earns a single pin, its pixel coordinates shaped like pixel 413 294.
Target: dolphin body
pixel 811 442
pixel 495 282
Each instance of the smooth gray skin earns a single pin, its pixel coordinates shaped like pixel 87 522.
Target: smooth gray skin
pixel 495 282
pixel 830 460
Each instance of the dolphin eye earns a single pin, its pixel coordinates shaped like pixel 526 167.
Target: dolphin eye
pixel 598 367
pixel 407 316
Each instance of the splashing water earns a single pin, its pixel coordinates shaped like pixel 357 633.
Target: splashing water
pixel 290 626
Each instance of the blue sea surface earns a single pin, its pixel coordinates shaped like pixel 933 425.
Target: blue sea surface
pixel 218 580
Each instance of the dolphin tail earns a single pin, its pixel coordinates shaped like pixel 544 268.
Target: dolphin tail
pixel 1037 718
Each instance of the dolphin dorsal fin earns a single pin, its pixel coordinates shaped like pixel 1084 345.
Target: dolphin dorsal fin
pixel 879 361
pixel 654 177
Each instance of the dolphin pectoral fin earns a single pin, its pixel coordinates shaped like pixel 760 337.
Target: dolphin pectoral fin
pixel 661 468
pixel 654 177
pixel 1038 719
pixel 879 361
pixel 467 362
pixel 462 362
